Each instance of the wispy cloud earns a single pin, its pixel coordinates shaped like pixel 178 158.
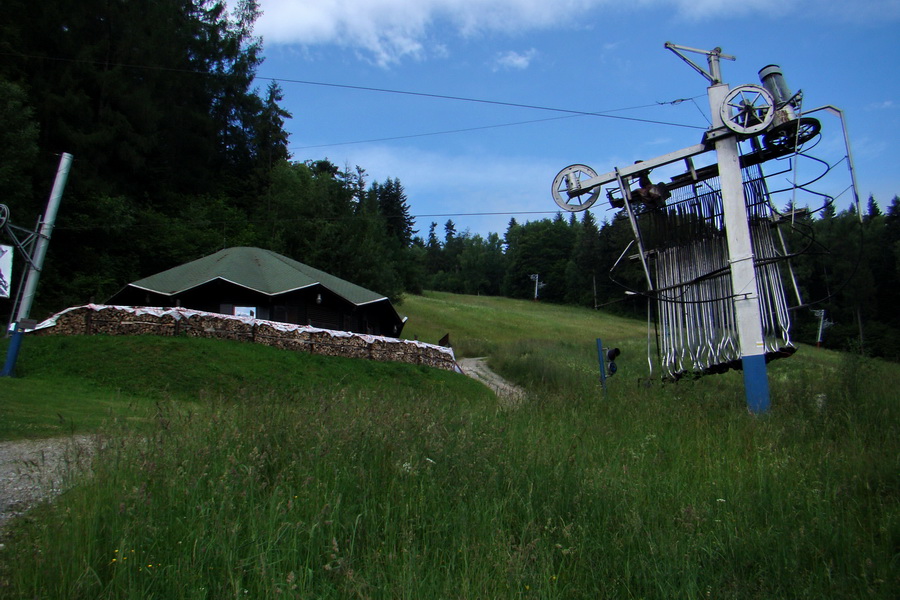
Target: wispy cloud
pixel 862 10
pixel 390 31
pixel 704 9
pixel 512 60
pixel 883 105
pixel 454 186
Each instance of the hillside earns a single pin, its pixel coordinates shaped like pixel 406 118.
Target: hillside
pixel 250 472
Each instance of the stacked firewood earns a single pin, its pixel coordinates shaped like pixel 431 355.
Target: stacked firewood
pixel 84 320
pixel 210 325
pixel 122 320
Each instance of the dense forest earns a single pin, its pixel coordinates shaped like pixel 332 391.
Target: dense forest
pixel 845 264
pixel 179 152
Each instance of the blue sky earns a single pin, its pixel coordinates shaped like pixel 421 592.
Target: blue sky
pixel 458 159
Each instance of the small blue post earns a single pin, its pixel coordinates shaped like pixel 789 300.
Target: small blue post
pixel 756 383
pixel 12 353
pixel 600 358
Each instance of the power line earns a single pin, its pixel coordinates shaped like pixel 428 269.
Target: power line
pixel 483 127
pixel 418 135
pixel 604 114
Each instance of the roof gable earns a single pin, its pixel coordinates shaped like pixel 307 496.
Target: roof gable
pixel 261 270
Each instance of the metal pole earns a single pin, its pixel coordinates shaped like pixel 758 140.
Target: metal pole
pixel 600 359
pixel 43 241
pixel 821 315
pixel 12 352
pixel 740 256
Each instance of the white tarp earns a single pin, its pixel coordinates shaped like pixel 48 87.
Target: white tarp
pixel 185 313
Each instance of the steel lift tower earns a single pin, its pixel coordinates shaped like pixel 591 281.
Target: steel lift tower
pixel 711 254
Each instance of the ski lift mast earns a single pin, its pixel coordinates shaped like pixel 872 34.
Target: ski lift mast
pixel 732 300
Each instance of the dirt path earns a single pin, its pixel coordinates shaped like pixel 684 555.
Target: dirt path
pixel 477 369
pixel 34 470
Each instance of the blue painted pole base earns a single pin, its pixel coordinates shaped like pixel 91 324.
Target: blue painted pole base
pixel 756 383
pixel 12 353
pixel 602 366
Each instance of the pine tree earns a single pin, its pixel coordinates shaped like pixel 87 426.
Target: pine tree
pixel 394 207
pixel 583 269
pixel 872 210
pixel 270 144
pixel 18 150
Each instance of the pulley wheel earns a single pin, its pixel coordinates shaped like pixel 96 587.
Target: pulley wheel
pixel 567 190
pixel 788 136
pixel 748 109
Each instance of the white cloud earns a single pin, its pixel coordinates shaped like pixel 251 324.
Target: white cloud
pixel 394 29
pixel 388 31
pixel 514 60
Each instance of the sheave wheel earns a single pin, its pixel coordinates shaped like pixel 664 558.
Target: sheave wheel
pixel 788 136
pixel 748 109
pixel 567 190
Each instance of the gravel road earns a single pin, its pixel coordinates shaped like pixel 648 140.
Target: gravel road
pixel 477 369
pixel 35 470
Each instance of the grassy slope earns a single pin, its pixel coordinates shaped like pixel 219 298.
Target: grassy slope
pixel 311 477
pixel 76 384
pixel 478 325
pixel 66 385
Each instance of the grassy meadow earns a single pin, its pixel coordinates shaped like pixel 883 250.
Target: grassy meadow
pixel 227 470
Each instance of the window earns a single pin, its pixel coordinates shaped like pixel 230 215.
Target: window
pixel 245 311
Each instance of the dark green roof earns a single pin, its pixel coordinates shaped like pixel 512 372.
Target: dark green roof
pixel 261 270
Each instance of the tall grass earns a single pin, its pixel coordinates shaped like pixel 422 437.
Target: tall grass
pixel 433 490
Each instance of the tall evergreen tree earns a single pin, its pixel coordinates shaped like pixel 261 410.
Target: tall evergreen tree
pixel 434 255
pixel 154 102
pixel 584 266
pixel 394 207
pixel 270 144
pixel 872 210
pixel 482 265
pixel 18 150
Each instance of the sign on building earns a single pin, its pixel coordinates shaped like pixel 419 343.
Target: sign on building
pixel 6 257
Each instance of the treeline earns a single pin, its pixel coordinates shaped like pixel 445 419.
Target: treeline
pixel 844 265
pixel 852 264
pixel 556 260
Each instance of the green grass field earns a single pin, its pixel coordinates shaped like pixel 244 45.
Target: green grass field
pixel 226 470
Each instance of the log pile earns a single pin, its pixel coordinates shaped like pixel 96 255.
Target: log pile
pixel 201 324
pixel 95 319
